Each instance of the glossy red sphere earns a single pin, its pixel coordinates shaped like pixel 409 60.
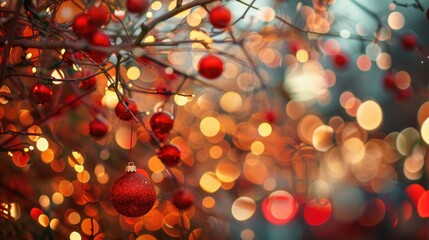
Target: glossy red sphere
pixel 81 26
pixel 169 155
pixel 99 16
pixel 182 199
pixel 340 60
pixel 123 112
pixel 87 84
pixel 409 41
pixel 41 93
pixel 133 195
pixel 210 66
pixel 99 39
pixel 137 6
pixel 161 122
pixel 220 17
pixel 98 128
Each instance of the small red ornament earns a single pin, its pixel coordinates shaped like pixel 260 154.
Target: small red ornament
pixel 210 66
pixel 182 199
pixel 87 84
pixel 161 122
pixel 82 26
pixel 41 93
pixel 389 80
pixel 99 16
pixel 98 128
pixel 340 60
pixel 409 41
pixel 99 39
pixel 169 155
pixel 220 17
pixel 123 112
pixel 132 195
pixel 137 6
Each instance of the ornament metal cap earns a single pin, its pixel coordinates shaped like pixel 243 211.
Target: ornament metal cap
pixel 131 167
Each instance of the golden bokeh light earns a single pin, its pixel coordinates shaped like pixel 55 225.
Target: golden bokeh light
pixel 323 137
pixel 425 131
pixel 209 182
pixel 243 208
pixel 369 115
pixel 210 126
pixel 227 171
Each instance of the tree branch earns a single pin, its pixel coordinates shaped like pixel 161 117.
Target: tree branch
pixel 147 28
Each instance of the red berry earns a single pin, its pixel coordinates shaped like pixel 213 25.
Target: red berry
pixel 41 93
pixel 137 6
pixel 389 80
pixel 99 16
pixel 161 122
pixel 102 40
pixel 169 155
pixel 87 84
pixel 210 66
pixel 409 41
pixel 220 17
pixel 182 199
pixel 98 128
pixel 123 112
pixel 82 26
pixel 340 60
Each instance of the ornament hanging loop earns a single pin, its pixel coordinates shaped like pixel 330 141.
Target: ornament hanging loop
pixel 131 167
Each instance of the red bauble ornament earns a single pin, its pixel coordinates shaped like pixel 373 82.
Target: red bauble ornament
pixel 82 26
pixel 220 17
pixel 41 93
pixel 87 84
pixel 137 6
pixel 99 16
pixel 210 66
pixel 98 128
pixel 161 122
pixel 389 80
pixel 409 41
pixel 182 199
pixel 123 112
pixel 340 60
pixel 132 195
pixel 102 40
pixel 169 155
